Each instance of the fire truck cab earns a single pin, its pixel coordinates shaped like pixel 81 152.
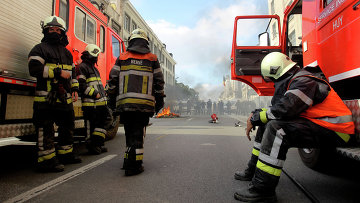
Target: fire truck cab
pixel 315 33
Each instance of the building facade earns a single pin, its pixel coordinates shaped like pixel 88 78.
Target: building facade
pixel 295 32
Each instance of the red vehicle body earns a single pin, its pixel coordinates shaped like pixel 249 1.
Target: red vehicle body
pixel 85 24
pixel 105 38
pixel 330 31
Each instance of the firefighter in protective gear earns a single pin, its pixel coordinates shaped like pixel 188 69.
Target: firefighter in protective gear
pixel 305 113
pixel 94 99
pixel 56 89
pixel 138 84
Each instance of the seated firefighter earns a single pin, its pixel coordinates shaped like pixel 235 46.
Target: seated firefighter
pixel 305 113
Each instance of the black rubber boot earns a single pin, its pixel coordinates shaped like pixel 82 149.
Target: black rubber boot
pixel 252 194
pixel 69 158
pixel 249 172
pixel 245 175
pixel 131 172
pixel 96 150
pixel 51 165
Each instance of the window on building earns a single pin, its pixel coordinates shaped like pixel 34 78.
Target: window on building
pixel 64 11
pixel 155 50
pixel 290 2
pixel 127 23
pixel 151 46
pixel 134 26
pixel 85 27
pixel 102 38
pixel 116 27
pixel 274 30
pixel 292 38
pixel 272 7
pixel 115 47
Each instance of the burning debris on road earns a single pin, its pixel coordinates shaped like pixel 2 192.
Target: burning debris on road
pixel 165 113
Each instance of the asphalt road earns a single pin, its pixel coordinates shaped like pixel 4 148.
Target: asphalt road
pixel 186 159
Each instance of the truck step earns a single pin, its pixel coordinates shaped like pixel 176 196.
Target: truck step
pixel 353 153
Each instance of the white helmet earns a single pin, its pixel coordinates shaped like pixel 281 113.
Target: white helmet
pixel 53 21
pixel 138 33
pixel 93 50
pixel 275 65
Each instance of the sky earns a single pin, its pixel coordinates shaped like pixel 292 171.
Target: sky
pixel 199 35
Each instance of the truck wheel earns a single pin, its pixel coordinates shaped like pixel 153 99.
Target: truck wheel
pixel 314 158
pixel 111 132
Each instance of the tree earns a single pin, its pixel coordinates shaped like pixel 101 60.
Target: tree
pixel 180 91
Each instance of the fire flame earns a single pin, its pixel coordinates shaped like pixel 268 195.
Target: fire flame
pixel 165 113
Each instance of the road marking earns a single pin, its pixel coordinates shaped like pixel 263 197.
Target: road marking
pixel 189 119
pixel 208 144
pixel 158 138
pixel 51 184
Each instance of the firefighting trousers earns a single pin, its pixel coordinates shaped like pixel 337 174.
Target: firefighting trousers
pixel 256 148
pixel 276 137
pixel 95 121
pixel 135 129
pixel 44 120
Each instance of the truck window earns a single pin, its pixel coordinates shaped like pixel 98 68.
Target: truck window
pixel 64 11
pixel 115 47
pixel 248 31
pixel 90 31
pixel 85 27
pixel 327 2
pixel 102 38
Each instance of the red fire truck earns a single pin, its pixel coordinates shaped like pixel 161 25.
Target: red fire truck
pixel 317 33
pixel 21 30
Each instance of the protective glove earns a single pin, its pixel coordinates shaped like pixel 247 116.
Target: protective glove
pixel 159 103
pixel 259 117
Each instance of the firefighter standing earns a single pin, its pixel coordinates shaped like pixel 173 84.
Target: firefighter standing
pixel 305 113
pixel 138 82
pixel 93 98
pixel 52 65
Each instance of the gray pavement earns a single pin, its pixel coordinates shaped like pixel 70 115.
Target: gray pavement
pixel 186 159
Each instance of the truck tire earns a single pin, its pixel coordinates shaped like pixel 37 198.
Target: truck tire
pixel 111 132
pixel 316 159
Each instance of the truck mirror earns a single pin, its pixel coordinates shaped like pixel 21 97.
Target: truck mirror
pixel 264 39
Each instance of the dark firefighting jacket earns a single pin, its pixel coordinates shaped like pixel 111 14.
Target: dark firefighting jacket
pixel 302 94
pixel 90 85
pixel 136 79
pixel 45 62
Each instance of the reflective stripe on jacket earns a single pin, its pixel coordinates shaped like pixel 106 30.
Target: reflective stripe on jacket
pixel 136 78
pixel 332 113
pixel 90 85
pixel 43 59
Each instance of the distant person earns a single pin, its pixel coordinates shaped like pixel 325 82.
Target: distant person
pixel 221 107
pixel 238 107
pixel 188 107
pixel 181 107
pixel 56 89
pixel 306 112
pixel 138 82
pixel 228 107
pixel 209 106
pixel 214 107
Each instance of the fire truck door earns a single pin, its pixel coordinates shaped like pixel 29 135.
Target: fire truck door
pixel 254 37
